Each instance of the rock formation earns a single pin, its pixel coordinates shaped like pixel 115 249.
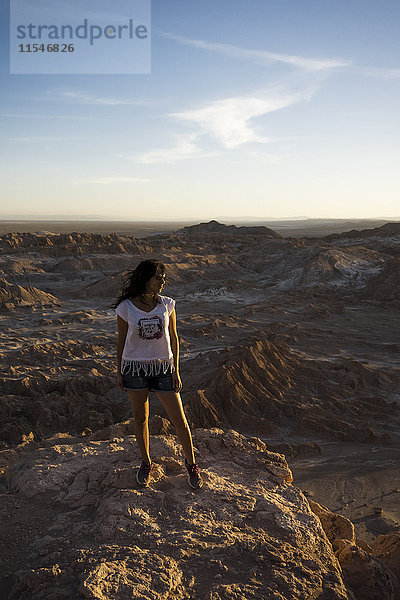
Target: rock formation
pixel 266 387
pixel 11 295
pixel 286 339
pixel 248 533
pixel 215 227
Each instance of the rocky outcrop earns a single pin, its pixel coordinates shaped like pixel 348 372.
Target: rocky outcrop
pixel 214 227
pixel 260 389
pixel 384 287
pixel 194 256
pixel 335 526
pixel 72 243
pixel 367 576
pixel 323 268
pixel 41 416
pixel 370 572
pixel 247 533
pixel 12 294
pixel 266 386
pixel 48 387
pixel 386 230
pixel 387 549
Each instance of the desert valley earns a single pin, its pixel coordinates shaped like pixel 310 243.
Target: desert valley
pixel 289 362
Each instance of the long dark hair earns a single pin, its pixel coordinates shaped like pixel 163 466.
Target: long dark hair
pixel 135 279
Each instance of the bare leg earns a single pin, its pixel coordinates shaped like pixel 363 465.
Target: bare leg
pixel 173 405
pixel 140 405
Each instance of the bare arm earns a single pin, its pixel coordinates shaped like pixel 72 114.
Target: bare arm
pixel 174 339
pixel 175 351
pixel 122 331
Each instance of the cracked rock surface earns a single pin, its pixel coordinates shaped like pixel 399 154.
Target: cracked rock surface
pixel 247 533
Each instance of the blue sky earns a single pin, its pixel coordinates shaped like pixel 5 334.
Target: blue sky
pixel 253 108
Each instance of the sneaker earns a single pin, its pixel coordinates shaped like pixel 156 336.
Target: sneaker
pixel 195 480
pixel 143 474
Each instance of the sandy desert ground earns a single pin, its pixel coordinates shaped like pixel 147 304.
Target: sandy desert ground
pixel 291 340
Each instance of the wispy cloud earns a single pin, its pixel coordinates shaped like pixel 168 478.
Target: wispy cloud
pixel 111 180
pixel 185 147
pixel 228 120
pixel 40 139
pixel 262 57
pixel 380 72
pixel 77 97
pixel 39 116
pixel 265 58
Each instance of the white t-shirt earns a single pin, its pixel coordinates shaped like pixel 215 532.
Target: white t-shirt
pixel 147 343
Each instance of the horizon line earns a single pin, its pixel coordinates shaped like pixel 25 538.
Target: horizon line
pixel 84 219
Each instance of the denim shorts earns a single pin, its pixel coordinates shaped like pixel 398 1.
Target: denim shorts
pixel 153 383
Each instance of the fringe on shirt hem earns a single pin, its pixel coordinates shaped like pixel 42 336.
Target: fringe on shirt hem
pixel 150 367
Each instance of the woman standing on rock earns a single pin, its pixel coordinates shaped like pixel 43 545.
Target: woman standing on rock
pixel 148 360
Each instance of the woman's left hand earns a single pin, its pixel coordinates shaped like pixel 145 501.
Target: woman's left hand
pixel 176 382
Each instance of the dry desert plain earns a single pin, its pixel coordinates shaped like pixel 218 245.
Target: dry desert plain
pixel 289 361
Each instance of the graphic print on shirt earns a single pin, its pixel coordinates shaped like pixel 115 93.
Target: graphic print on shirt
pixel 150 328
